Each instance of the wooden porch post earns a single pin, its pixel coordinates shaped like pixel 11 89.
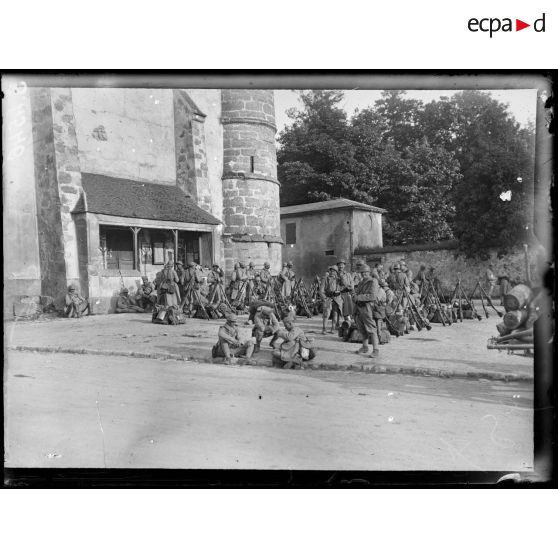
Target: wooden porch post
pixel 175 233
pixel 135 231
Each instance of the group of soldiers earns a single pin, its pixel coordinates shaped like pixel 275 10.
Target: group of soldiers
pixel 366 300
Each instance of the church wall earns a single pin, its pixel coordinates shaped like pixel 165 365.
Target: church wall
pixel 22 271
pixel 127 133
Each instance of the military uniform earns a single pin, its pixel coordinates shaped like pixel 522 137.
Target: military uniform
pixel 265 325
pixel 229 341
pixel 346 287
pixel 286 277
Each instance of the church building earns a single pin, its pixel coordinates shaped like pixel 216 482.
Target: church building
pixel 104 185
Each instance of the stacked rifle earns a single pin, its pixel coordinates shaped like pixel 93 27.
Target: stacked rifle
pixel 300 298
pixel 192 301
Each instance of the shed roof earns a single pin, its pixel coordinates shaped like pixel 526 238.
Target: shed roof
pixel 337 203
pixel 144 200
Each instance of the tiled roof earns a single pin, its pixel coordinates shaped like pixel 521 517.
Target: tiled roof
pixel 143 200
pixel 338 203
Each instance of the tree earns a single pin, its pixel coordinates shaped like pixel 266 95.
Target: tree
pixel 314 159
pixel 495 156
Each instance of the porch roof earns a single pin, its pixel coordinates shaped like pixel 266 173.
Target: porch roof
pixel 145 200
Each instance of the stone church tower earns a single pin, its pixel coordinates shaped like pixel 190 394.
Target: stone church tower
pixel 250 187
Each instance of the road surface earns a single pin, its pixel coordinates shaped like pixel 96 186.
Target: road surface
pixel 65 410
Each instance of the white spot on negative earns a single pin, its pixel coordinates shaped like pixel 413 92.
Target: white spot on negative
pixel 506 196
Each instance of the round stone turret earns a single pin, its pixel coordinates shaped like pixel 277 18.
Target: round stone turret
pixel 250 186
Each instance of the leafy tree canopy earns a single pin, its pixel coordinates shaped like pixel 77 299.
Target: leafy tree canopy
pixel 437 168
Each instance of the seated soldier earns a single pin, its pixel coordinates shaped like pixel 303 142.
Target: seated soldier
pixel 146 296
pixel 125 305
pixel 257 289
pixel 292 351
pixel 74 304
pixel 265 325
pixel 229 344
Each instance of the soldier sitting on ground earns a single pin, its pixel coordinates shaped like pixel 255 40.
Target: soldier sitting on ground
pixel 265 325
pixel 295 347
pixel 125 304
pixel 74 304
pixel 146 296
pixel 229 344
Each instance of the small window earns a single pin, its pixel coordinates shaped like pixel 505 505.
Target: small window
pixel 330 252
pixel 117 247
pixel 290 233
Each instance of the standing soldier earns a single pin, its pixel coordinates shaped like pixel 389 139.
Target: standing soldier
pixel 181 282
pixel 346 288
pixel 169 294
pixel 250 274
pixel 286 277
pixel 490 280
pixel 215 278
pixel 265 275
pixel 331 298
pixel 504 282
pixel 366 294
pixel 421 277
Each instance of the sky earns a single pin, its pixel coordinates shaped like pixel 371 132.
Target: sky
pixel 522 102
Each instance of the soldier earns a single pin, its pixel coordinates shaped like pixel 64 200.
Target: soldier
pixel 405 269
pixel 346 288
pixel 125 305
pixel 238 294
pixel 192 277
pixel 380 275
pixel 229 344
pixel 265 275
pixel 504 282
pixel 366 294
pixel 332 302
pixel 258 290
pixel 250 274
pixel 215 279
pixel 286 278
pixel 489 280
pixel 74 304
pixel 169 294
pixel 421 276
pixel 265 325
pixel 180 274
pixel 289 353
pixel 146 296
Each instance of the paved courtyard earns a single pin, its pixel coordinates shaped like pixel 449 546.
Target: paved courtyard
pixel 458 350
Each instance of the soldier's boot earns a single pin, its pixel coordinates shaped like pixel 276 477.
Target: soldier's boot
pixel 375 353
pixel 256 348
pixel 288 365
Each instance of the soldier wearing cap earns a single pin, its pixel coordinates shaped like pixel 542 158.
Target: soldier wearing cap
pixel 229 344
pixel 289 352
pixel 146 295
pixel 74 304
pixel 265 274
pixel 286 278
pixel 215 278
pixel 330 293
pixel 366 294
pixel 169 294
pixel 192 277
pixel 125 305
pixel 346 287
pixel 266 324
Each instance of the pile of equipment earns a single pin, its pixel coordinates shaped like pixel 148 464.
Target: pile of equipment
pixel 516 329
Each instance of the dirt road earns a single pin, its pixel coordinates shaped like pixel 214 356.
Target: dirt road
pixel 91 411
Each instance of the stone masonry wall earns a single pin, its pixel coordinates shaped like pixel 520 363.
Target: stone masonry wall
pixel 49 224
pixel 448 265
pixel 250 187
pixel 68 177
